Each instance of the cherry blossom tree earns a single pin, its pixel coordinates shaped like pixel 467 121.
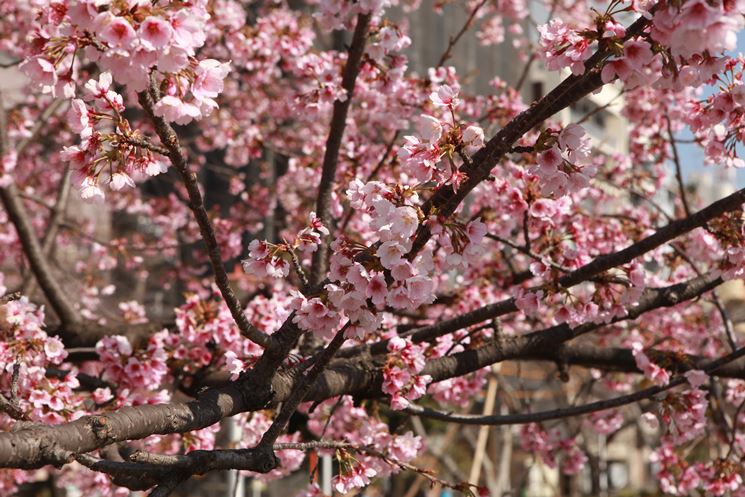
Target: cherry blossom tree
pixel 372 242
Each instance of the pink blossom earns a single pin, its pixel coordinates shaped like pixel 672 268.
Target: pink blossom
pixel 155 32
pixel 444 96
pixel 173 59
pixel 118 32
pixel 570 137
pixel 620 68
pixel 430 128
pixel 209 78
pixel 358 477
pixel 404 221
pixel 99 89
pixel 420 290
pixel 89 188
pixel 476 230
pixel 551 158
pixel 613 29
pixel 696 378
pixel 543 208
pixel 529 302
pixel 77 116
pixel 176 110
pixel 656 374
pixel 390 254
pixel 40 71
pixel 637 53
pixel 155 167
pixel 473 137
pixel 121 179
pixel 377 290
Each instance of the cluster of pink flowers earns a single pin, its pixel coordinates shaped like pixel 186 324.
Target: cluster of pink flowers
pixel 128 39
pixel 266 259
pixel 341 419
pixel 459 391
pixel 654 373
pixel 438 138
pixel 401 378
pixel 388 39
pixel 359 289
pixel 637 66
pixel 109 149
pixel 561 46
pixel 491 31
pixel 204 82
pixel 339 14
pixel 717 121
pixel 26 346
pixel 685 414
pixel 316 316
pixel 679 477
pixel 565 166
pixel 139 374
pixel 598 302
pixel 605 422
pixel 376 283
pixel 206 335
pixel 552 446
pixel 8 162
pixel 698 27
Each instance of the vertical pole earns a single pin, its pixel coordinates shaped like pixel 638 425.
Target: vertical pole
pixel 326 473
pixel 491 395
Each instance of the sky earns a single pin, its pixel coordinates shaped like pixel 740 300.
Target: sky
pixel 692 157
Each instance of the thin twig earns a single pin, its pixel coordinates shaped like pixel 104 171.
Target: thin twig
pixel 55 220
pixel 41 121
pixel 678 169
pixel 32 249
pixel 528 252
pixel 454 39
pixel 600 108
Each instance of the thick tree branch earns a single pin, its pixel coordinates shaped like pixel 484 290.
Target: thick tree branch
pixel 301 388
pixel 601 405
pixel 40 445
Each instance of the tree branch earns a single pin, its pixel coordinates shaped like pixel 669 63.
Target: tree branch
pixel 39 445
pixel 32 249
pixel 600 405
pixel 333 144
pixel 454 40
pixel 444 201
pixel 170 140
pixel 55 220
pixel 301 388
